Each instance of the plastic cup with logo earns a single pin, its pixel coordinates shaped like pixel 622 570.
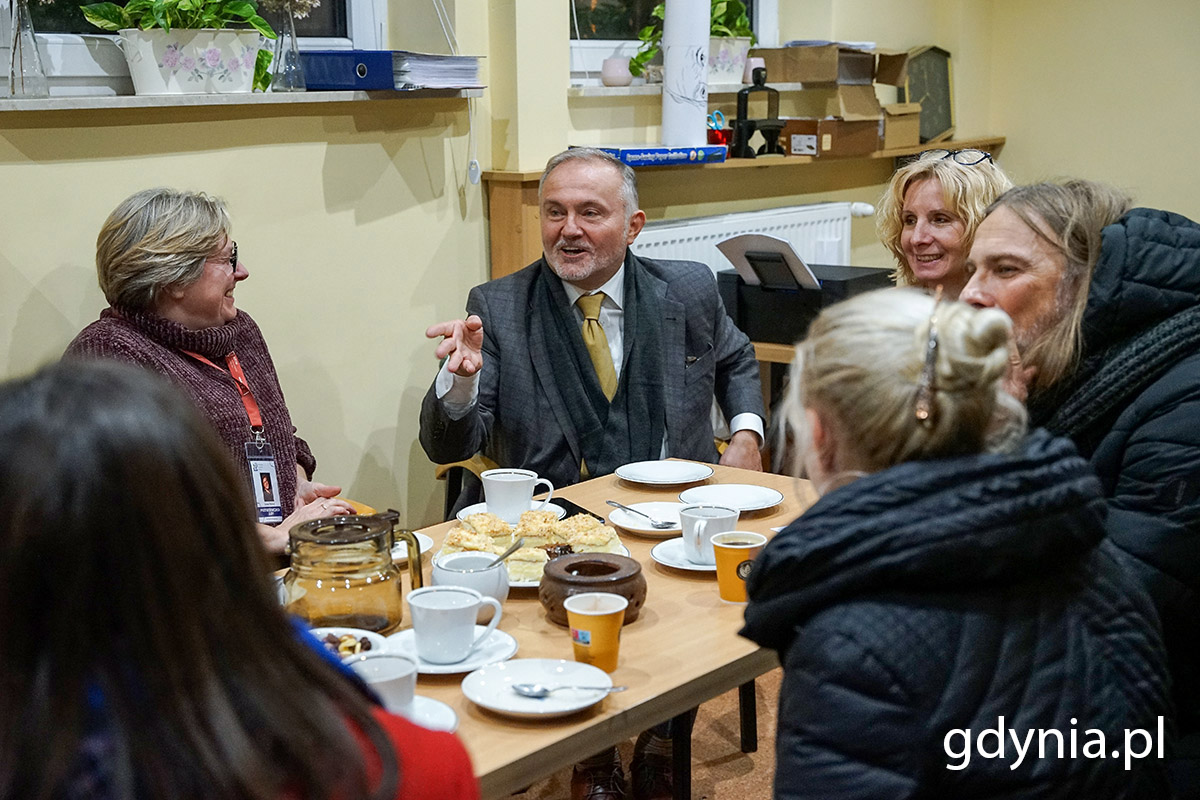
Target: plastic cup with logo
pixel 735 552
pixel 595 620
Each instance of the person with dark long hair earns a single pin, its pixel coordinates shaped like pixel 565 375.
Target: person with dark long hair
pixel 144 652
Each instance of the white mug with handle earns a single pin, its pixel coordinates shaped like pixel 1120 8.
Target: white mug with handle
pixel 700 523
pixel 509 492
pixel 443 619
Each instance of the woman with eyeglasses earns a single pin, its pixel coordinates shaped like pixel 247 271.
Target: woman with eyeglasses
pixel 168 268
pixel 144 652
pixel 928 214
pixel 951 594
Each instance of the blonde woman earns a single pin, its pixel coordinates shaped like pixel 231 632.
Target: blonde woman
pixel 929 211
pixel 953 579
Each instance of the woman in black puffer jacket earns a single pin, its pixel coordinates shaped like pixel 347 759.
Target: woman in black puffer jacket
pixel 950 609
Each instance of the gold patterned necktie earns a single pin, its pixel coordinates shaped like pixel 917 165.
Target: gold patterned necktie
pixel 597 343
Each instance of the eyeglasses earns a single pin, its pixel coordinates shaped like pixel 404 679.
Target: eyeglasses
pixel 233 258
pixel 968 158
pixel 926 384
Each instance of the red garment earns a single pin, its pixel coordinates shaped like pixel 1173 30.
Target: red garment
pixel 433 765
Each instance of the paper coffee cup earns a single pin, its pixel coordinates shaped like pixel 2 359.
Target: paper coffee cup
pixel 735 552
pixel 595 620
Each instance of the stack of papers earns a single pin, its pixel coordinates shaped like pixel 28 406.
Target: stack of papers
pixel 430 71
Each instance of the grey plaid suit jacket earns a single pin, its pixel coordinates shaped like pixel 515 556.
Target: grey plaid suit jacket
pixel 520 419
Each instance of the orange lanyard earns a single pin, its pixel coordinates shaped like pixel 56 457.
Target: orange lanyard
pixel 239 378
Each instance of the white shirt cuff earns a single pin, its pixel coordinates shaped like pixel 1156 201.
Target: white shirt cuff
pixel 748 422
pixel 458 394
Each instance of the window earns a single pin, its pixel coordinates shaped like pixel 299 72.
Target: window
pixel 602 29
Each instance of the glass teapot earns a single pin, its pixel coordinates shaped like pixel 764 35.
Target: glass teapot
pixel 342 573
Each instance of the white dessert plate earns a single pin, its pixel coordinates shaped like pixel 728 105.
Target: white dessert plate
pixel 496 647
pixel 378 643
pixel 670 554
pixel 640 525
pixel 400 549
pixel 491 687
pixel 742 496
pixel 432 714
pixel 664 472
pixel 622 551
pixel 480 508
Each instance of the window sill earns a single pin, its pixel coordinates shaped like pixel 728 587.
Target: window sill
pixel 91 103
pixel 655 89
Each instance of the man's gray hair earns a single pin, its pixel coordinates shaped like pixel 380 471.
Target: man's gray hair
pixel 629 191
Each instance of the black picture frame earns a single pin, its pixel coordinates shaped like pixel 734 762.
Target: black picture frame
pixel 930 82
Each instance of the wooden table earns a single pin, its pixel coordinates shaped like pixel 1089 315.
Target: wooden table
pixel 682 650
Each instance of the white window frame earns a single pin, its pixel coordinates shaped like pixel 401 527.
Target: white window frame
pixel 92 63
pixel 587 54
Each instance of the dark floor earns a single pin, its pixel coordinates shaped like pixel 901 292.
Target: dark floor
pixel 720 770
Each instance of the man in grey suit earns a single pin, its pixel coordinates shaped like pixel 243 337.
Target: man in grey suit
pixel 532 381
pixel 519 384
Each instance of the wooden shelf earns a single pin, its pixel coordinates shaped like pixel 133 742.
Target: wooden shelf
pixel 989 143
pixel 98 102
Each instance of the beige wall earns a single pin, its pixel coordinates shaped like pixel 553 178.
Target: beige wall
pixel 360 229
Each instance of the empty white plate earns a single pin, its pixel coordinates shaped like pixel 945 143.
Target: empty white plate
pixel 400 549
pixel 667 512
pixel 670 554
pixel 491 687
pixel 742 496
pixel 480 508
pixel 664 472
pixel 497 647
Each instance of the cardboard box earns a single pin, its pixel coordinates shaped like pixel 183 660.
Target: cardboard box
pixel 830 137
pixel 854 104
pixel 832 63
pixel 901 125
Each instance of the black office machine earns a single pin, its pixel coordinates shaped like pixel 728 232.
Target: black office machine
pixel 744 128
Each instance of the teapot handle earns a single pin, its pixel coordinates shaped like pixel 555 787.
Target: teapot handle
pixel 415 577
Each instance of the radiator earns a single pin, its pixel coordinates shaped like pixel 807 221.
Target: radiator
pixel 819 233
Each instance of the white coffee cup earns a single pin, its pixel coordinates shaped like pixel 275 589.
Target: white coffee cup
pixel 509 492
pixel 471 570
pixel 700 523
pixel 392 676
pixel 443 619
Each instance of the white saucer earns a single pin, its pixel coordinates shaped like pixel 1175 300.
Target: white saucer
pixel 432 714
pixel 664 473
pixel 400 549
pixel 480 508
pixel 670 554
pixel 497 647
pixel 742 496
pixel 378 643
pixel 491 687
pixel 662 511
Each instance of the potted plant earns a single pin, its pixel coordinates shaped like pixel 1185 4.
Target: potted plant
pixel 177 46
pixel 731 35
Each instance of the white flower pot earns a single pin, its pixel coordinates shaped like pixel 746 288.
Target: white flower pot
pixel 204 61
pixel 727 58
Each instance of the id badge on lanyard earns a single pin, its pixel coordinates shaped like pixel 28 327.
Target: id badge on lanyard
pixel 265 482
pixel 264 479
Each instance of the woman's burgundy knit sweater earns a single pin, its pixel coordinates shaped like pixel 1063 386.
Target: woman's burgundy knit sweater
pixel 143 338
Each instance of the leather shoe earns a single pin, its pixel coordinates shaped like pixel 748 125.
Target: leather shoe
pixel 652 777
pixel 598 783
